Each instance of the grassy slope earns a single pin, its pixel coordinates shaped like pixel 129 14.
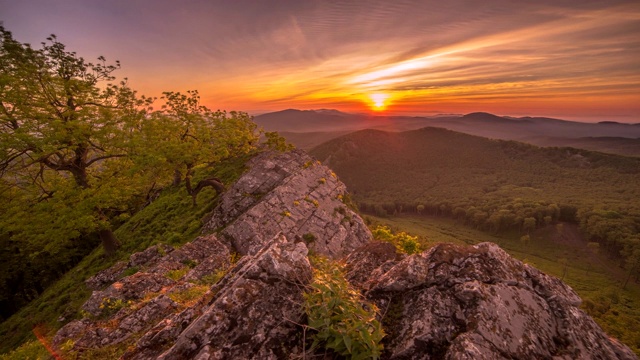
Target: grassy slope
pixel 171 219
pixel 593 276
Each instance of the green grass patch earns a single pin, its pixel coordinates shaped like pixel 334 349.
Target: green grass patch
pixel 189 296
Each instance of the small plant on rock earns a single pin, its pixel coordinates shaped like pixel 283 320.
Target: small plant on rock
pixel 189 296
pixel 111 306
pixel 343 322
pixel 403 242
pixel 176 275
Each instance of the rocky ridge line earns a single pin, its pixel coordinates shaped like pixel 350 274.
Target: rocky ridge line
pixel 450 302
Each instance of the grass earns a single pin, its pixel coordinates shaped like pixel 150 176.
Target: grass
pixel 171 218
pixel 596 278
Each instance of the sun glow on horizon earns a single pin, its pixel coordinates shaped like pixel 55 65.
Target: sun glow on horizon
pixel 379 101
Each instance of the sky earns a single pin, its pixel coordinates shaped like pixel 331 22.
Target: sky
pixel 576 60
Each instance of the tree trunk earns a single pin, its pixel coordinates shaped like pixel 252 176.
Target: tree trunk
pixel 187 180
pixel 109 241
pixel 81 178
pixel 213 182
pixel 177 177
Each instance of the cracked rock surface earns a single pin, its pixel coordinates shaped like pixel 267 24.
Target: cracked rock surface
pixel 477 302
pixel 293 194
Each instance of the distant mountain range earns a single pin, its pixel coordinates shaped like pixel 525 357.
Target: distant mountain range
pixel 309 128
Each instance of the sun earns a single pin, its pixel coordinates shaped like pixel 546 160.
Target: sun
pixel 378 101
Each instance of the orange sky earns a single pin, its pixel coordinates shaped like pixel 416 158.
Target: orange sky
pixel 569 59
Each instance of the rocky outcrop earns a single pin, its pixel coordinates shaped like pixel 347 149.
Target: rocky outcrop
pixel 478 302
pixel 293 194
pixel 138 301
pixel 254 313
pixel 450 302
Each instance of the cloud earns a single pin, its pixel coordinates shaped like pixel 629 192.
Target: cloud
pixel 254 54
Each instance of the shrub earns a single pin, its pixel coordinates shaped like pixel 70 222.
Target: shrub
pixel 337 312
pixel 111 306
pixel 404 242
pixel 309 238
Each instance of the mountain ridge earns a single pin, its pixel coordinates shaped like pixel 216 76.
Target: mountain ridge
pixel 539 131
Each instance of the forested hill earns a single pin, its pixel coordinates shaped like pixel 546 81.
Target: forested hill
pixel 492 184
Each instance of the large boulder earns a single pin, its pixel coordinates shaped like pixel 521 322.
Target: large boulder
pixel 293 194
pixel 477 302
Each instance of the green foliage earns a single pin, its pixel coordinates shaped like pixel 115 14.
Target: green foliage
pixel 188 136
pixel 189 263
pixel 130 271
pixel 214 277
pixel 275 141
pixel 65 145
pixel 32 350
pixel 189 296
pixel 337 312
pixel 114 351
pixel 404 242
pixel 309 238
pixel 82 153
pixel 111 306
pixel 176 275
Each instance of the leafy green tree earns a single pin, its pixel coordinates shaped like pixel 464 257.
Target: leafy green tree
pixel 275 141
pixel 187 135
pixel 65 132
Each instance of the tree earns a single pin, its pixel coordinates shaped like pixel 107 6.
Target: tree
pixel 187 135
pixel 65 132
pixel 529 224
